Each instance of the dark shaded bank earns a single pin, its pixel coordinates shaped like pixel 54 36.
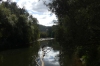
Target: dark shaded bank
pixel 80 56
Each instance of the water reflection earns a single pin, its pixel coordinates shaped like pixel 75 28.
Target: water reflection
pixel 29 56
pixel 51 56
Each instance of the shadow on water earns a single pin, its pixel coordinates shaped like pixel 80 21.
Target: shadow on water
pixel 19 57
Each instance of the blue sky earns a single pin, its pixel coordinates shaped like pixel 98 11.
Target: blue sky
pixel 38 10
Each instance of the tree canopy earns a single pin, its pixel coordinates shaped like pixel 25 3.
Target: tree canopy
pixel 17 26
pixel 78 27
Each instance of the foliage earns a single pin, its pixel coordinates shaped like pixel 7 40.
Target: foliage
pixel 78 26
pixel 17 27
pixel 46 31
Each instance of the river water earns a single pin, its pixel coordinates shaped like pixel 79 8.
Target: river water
pixel 31 56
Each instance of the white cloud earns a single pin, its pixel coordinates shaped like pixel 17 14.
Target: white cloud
pixel 45 19
pixel 38 10
pixel 4 0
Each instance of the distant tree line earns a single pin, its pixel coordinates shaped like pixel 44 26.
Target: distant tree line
pixel 78 28
pixel 46 31
pixel 17 26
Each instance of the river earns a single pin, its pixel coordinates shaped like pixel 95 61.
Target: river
pixel 31 56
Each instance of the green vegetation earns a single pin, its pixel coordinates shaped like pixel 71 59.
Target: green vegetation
pixel 78 29
pixel 46 31
pixel 17 27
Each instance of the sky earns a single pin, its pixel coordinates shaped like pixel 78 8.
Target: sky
pixel 38 10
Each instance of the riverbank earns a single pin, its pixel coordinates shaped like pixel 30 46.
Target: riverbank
pixel 44 39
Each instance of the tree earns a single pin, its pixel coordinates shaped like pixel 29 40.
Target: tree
pixel 17 27
pixel 78 26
